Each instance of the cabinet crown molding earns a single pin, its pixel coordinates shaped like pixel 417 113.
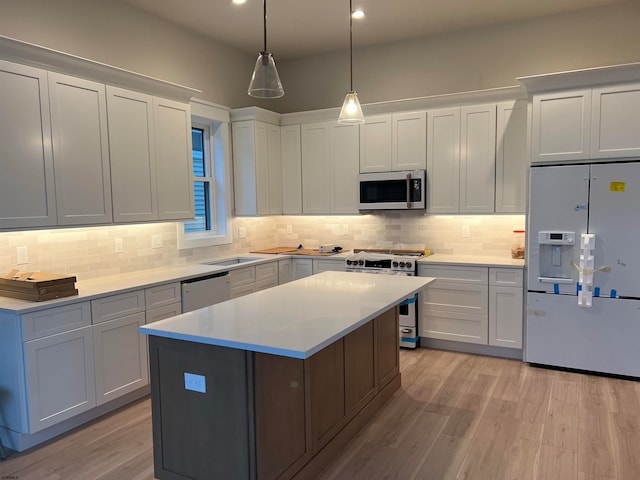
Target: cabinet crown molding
pixel 588 77
pixel 17 51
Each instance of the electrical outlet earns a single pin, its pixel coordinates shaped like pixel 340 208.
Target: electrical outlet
pixel 466 231
pixel 194 382
pixel 289 229
pixel 156 241
pixel 242 232
pixel 345 229
pixel 23 255
pixel 119 245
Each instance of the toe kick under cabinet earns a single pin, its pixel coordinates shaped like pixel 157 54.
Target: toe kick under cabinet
pixel 478 305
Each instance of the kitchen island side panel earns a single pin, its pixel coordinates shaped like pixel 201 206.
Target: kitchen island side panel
pixel 200 434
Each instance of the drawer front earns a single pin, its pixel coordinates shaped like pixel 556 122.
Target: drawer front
pixel 267 271
pixel 242 276
pixel 162 295
pixel 116 306
pixel 506 277
pixel 475 275
pixel 243 290
pixel 264 284
pixel 55 320
pixel 328 266
pixel 166 311
pixel 456 298
pixel 457 327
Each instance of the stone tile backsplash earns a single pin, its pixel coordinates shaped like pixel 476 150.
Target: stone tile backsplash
pixel 90 252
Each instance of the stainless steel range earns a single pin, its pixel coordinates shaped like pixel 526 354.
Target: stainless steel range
pixel 402 262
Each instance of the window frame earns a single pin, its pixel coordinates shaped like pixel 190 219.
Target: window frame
pixel 218 147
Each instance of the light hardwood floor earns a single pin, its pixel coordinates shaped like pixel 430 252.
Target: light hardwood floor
pixel 457 416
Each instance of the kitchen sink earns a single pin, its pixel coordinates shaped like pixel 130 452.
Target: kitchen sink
pixel 233 261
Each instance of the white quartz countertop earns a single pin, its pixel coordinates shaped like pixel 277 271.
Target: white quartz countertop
pixel 471 260
pixel 126 282
pixel 296 319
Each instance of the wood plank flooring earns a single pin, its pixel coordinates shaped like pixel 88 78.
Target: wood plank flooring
pixel 457 416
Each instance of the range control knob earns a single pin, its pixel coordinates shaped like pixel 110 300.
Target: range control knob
pixel 361 262
pixel 395 264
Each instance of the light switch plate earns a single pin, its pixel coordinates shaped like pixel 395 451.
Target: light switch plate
pixel 156 241
pixel 195 382
pixel 289 229
pixel 242 232
pixel 23 255
pixel 119 245
pixel 466 231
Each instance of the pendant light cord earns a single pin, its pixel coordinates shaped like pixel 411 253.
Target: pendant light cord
pixel 350 43
pixel 265 26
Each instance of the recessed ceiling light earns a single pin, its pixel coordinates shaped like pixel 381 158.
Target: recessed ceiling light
pixel 239 2
pixel 358 14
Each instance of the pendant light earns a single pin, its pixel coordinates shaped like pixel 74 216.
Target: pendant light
pixel 351 112
pixel 265 81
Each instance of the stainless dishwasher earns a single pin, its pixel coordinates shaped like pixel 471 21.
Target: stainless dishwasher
pixel 201 292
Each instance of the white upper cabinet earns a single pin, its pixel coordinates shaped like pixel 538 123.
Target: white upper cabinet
pixel 512 161
pixel 375 144
pixel 477 158
pixel 615 121
pixel 80 150
pixel 461 160
pixel 257 168
pixel 291 156
pixel 330 154
pixel 133 175
pixel 443 161
pixel 561 126
pixel 393 142
pixel 174 174
pixel 27 191
pixel 409 141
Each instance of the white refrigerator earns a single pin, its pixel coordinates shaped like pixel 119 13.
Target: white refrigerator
pixel 583 267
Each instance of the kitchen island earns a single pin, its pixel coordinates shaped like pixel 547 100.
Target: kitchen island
pixel 273 385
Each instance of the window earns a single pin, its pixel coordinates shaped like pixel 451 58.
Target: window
pixel 211 183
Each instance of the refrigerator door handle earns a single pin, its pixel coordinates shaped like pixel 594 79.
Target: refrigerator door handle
pixel 555 280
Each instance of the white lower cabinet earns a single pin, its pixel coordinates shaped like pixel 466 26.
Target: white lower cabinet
pixel 327 265
pixel 59 377
pixel 253 279
pixel 121 357
pixel 284 271
pixel 477 305
pixel 301 267
pixel 304 267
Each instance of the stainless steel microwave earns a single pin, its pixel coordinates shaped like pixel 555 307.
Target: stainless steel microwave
pixel 403 190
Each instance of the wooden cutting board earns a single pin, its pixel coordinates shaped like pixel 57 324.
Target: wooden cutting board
pixel 276 250
pixel 310 251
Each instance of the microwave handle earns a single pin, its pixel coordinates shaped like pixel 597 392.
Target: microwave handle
pixel 408 190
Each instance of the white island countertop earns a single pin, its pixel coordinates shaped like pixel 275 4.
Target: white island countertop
pixel 296 319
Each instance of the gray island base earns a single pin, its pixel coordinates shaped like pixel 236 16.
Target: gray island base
pixel 228 412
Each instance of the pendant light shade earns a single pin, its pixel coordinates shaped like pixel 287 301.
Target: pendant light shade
pixel 265 81
pixel 351 111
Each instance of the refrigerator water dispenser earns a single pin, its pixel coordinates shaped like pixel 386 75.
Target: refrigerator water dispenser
pixel 556 263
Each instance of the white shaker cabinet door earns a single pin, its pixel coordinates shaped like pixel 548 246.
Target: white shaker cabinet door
pixel 316 151
pixel 512 161
pixel 344 169
pixel 120 357
pixel 560 127
pixel 80 150
pixel 505 316
pixel 133 175
pixel 477 158
pixel 174 174
pixel 409 141
pixel 60 377
pixel 291 157
pixel 274 166
pixel 27 192
pixel 443 161
pixel 375 144
pixel 615 121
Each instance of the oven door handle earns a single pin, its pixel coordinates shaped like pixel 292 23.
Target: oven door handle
pixel 406 330
pixel 408 190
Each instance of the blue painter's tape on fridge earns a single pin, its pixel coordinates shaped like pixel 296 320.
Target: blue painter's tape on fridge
pixel 596 291
pixel 556 288
pixel 578 287
pixel 613 293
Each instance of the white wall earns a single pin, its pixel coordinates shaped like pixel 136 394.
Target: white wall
pixel 118 34
pixel 467 60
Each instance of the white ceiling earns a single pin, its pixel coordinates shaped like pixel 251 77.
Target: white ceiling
pixel 297 28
